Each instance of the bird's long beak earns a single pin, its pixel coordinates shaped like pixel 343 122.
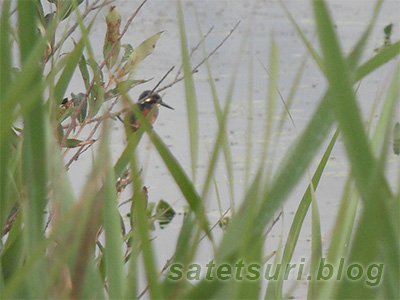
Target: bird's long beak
pixel 166 105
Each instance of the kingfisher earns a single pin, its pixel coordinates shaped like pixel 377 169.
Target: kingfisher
pixel 148 103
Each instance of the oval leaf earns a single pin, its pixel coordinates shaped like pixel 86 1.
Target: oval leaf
pixel 77 101
pixel 96 100
pixel 84 71
pixel 72 143
pixel 128 49
pixel 140 53
pixel 165 213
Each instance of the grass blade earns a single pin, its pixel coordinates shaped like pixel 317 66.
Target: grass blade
pixel 138 210
pixel 302 210
pixel 68 71
pixel 317 58
pixel 112 226
pixel 6 115
pixel 222 137
pixel 347 110
pixel 191 102
pixel 367 172
pixel 378 60
pixel 35 164
pixel 316 245
pixel 273 87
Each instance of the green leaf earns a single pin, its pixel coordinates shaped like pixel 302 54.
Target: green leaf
pixel 316 246
pixel 72 61
pixel 72 143
pixel 222 137
pixel 67 7
pixel 84 71
pixel 366 169
pixel 96 100
pixel 138 210
pixel 128 49
pixel 124 87
pixel 272 94
pixel 301 212
pixel 116 276
pixel 396 138
pixel 356 53
pixel 387 54
pixel 347 110
pixel 164 213
pixel 388 30
pixel 314 54
pixel 77 101
pixel 139 54
pixel 96 97
pixel 34 163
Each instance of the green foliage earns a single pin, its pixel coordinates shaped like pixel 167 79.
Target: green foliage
pixel 396 138
pixel 59 245
pixel 165 213
pixel 138 54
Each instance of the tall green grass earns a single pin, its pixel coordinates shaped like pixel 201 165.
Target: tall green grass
pixel 50 246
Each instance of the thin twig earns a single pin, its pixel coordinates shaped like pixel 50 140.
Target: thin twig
pixel 274 221
pixel 103 117
pixel 194 50
pixel 109 2
pixel 215 225
pixel 162 79
pixel 219 46
pixel 195 69
pixel 81 150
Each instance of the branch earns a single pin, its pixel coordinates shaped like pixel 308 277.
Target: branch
pixel 195 69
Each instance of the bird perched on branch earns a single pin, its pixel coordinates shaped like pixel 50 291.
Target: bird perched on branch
pixel 148 104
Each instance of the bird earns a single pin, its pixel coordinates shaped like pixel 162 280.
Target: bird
pixel 147 103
